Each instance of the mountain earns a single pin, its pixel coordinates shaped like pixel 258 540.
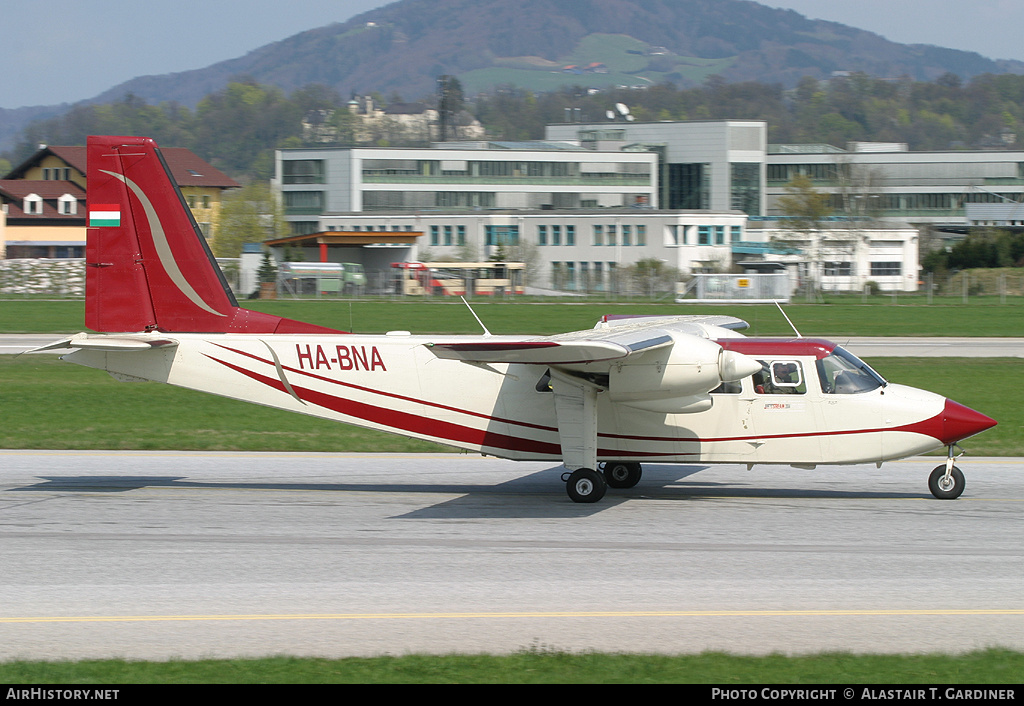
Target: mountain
pixel 404 46
pixel 543 44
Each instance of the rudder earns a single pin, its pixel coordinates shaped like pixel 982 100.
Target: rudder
pixel 148 266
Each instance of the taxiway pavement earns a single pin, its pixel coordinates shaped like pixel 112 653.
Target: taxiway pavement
pixel 155 555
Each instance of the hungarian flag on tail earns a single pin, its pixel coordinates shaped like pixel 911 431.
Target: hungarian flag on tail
pixel 104 215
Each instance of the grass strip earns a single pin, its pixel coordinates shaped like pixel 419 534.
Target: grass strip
pixel 58 405
pixel 538 666
pixel 845 317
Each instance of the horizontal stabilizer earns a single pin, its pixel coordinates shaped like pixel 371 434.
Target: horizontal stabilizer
pixel 84 341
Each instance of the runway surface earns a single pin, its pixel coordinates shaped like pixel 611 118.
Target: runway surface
pixel 155 555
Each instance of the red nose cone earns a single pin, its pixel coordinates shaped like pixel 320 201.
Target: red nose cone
pixel 959 422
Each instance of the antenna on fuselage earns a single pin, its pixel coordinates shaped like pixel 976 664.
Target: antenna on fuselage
pixel 486 332
pixel 787 320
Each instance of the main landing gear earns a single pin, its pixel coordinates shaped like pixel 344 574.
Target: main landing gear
pixel 947 481
pixel 585 485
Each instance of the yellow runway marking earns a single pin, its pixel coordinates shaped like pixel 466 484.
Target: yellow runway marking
pixel 553 614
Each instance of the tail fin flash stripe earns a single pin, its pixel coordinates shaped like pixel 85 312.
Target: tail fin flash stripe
pixel 163 248
pixel 105 216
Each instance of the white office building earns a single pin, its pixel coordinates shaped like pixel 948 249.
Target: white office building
pixel 885 181
pixel 716 165
pixel 472 177
pixel 583 250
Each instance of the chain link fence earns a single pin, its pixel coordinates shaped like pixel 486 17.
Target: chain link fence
pixel 65 279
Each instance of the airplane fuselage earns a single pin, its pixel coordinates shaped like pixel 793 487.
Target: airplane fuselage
pixel 394 383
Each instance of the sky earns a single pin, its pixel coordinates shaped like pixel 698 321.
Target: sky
pixel 64 51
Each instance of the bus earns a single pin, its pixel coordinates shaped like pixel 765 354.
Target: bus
pixel 458 278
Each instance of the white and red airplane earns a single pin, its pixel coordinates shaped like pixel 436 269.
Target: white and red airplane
pixel 672 389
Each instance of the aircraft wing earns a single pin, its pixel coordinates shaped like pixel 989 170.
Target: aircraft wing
pixel 670 339
pixel 553 350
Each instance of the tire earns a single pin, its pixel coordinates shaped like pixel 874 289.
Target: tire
pixel 946 490
pixel 620 474
pixel 586 486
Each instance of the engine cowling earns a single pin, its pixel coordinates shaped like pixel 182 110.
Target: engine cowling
pixel 677 379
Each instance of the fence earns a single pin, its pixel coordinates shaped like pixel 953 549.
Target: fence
pixel 65 278
pixel 53 278
pixel 747 289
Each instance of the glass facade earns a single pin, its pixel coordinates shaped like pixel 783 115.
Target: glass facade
pixel 745 187
pixel 303 171
pixel 689 187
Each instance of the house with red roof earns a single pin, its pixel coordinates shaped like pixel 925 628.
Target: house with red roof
pixel 43 200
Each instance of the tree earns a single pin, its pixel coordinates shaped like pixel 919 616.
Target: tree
pixel 248 215
pixel 804 208
pixel 653 276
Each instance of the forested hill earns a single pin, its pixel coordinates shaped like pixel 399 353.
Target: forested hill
pixel 238 127
pixel 402 48
pixel 543 45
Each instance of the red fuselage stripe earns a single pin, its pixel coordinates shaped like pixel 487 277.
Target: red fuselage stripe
pixel 927 427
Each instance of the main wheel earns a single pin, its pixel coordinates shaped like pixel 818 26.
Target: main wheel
pixel 946 488
pixel 586 486
pixel 620 474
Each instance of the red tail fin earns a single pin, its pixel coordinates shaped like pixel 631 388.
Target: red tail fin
pixel 148 265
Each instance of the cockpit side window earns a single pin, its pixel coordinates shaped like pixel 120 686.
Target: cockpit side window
pixel 780 377
pixel 843 373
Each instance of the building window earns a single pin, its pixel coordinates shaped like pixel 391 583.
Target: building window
pixel 641 235
pixel 435 235
pixel 297 202
pixel 501 235
pixel 746 187
pixel 557 275
pixel 570 235
pixel 627 235
pixel 598 235
pixel 689 186
pixel 886 269
pixel 611 235
pixel 542 235
pixel 838 269
pixel 704 235
pixel 303 171
pixel 67 205
pixel 556 235
pixel 735 234
pixel 719 235
pixel 32 205
pixel 461 235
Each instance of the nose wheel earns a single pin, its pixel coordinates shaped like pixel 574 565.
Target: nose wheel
pixel 947 481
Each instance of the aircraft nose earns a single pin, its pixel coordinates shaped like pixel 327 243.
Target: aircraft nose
pixel 959 422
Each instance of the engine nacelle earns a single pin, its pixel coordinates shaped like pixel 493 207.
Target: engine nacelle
pixel 685 373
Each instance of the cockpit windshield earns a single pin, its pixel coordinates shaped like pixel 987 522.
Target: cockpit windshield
pixel 843 373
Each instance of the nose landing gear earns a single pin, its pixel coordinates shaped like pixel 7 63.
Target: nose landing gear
pixel 947 481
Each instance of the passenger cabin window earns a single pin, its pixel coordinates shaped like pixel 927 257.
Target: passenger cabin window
pixel 843 373
pixel 780 377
